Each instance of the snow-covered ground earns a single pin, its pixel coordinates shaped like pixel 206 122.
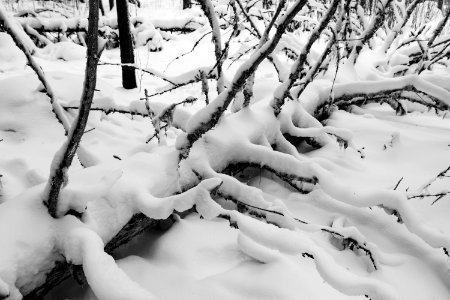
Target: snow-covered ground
pixel 201 258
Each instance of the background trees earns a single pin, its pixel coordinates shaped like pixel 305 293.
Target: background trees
pixel 126 45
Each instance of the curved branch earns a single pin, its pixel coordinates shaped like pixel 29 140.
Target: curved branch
pixel 63 158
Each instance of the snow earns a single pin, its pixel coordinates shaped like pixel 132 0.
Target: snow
pixel 107 280
pixel 205 260
pixel 11 57
pixel 13 26
pixel 296 247
pixel 65 50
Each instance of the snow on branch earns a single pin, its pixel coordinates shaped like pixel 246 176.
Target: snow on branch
pixel 18 35
pixel 423 192
pixel 167 116
pixel 390 200
pixel 400 24
pixel 208 117
pixel 183 79
pixel 439 27
pixel 425 62
pixel 179 116
pixel 297 68
pixel 208 9
pixel 82 246
pixel 214 152
pixel 28 48
pixel 375 24
pixel 147 70
pixel 264 36
pixel 411 88
pixel 264 242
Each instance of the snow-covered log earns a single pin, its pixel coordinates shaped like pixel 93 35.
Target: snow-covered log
pixel 73 246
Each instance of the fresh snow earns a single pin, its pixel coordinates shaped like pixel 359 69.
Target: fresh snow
pixel 201 256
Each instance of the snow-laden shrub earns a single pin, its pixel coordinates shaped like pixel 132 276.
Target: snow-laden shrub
pixel 65 50
pixel 145 34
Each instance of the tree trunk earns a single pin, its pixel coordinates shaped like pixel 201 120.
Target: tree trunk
pixel 187 4
pixel 111 4
pixel 63 158
pixel 101 7
pixel 126 45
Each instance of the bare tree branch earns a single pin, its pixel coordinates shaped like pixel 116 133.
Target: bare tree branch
pixel 63 158
pixel 17 36
pixel 398 27
pixel 297 68
pixel 209 118
pixel 208 9
pixel 377 22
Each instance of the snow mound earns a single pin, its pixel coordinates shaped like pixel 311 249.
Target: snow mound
pixel 10 56
pixel 65 50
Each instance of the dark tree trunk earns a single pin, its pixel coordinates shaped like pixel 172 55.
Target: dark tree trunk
pixel 187 4
pixel 58 175
pixel 102 8
pixel 111 4
pixel 126 45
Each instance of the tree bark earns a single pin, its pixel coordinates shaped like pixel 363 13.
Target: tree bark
pixel 208 9
pixel 63 159
pixel 126 45
pixel 101 7
pixel 187 4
